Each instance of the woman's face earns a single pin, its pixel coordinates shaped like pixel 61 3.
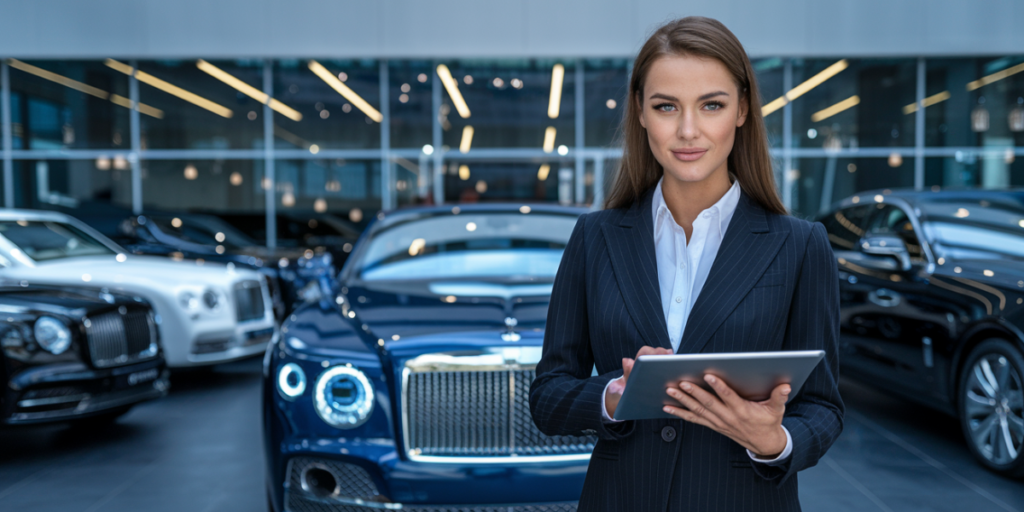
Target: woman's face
pixel 691 109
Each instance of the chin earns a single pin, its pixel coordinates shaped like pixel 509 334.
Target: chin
pixel 687 173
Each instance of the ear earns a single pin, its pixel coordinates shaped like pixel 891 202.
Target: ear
pixel 640 111
pixel 741 116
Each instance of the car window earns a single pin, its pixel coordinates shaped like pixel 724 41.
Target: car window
pixel 845 227
pixel 500 246
pixel 49 240
pixel 989 226
pixel 892 220
pixel 202 231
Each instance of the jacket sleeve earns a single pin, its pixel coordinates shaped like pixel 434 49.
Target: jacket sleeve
pixel 814 417
pixel 565 399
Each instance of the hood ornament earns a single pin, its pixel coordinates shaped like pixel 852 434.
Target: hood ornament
pixel 511 334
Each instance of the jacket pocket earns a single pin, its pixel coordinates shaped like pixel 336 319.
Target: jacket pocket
pixel 772 279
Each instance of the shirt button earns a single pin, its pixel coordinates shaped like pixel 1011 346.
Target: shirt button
pixel 679 299
pixel 682 265
pixel 707 215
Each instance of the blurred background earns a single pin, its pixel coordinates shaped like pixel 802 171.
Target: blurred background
pixel 261 138
pixel 527 107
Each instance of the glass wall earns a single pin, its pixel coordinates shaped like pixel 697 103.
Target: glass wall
pixel 337 136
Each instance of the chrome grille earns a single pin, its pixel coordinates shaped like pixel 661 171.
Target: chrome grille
pixel 483 411
pixel 248 300
pixel 120 337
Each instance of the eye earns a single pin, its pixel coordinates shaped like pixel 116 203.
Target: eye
pixel 714 105
pixel 664 107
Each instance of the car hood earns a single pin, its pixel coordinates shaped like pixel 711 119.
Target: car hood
pixel 105 268
pixel 394 310
pixel 68 301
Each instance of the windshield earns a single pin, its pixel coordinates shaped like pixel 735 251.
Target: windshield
pixel 202 230
pixel 976 228
pixel 501 246
pixel 49 240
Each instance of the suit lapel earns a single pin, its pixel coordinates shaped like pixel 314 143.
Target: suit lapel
pixel 631 249
pixel 746 251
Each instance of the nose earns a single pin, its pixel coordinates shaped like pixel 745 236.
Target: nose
pixel 687 129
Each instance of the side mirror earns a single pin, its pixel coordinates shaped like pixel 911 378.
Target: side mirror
pixel 887 245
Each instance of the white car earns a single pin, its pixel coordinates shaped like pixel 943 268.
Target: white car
pixel 208 312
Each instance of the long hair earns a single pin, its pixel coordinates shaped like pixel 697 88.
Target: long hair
pixel 750 160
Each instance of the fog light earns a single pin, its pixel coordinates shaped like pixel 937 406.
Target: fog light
pixel 291 381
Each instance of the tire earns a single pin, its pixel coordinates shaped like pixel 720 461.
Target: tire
pixel 990 401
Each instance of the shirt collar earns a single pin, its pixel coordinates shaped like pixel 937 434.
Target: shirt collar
pixel 726 205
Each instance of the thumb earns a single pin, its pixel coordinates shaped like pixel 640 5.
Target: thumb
pixel 779 396
pixel 627 366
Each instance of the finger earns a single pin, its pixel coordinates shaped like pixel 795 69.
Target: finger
pixel 627 366
pixel 706 399
pixel 779 396
pixel 688 416
pixel 693 405
pixel 725 393
pixel 647 350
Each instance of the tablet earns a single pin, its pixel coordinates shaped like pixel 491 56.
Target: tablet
pixel 753 375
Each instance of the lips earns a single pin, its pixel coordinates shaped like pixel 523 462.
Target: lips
pixel 689 155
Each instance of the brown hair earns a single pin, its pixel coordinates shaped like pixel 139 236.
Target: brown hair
pixel 750 160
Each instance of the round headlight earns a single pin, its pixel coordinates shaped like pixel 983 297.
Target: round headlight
pixel 343 397
pixel 291 381
pixel 211 299
pixel 52 335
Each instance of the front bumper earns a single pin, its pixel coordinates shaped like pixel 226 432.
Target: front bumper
pixel 363 475
pixel 242 342
pixel 70 391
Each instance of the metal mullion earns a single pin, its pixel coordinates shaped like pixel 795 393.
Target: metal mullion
pixel 787 138
pixel 388 201
pixel 5 126
pixel 136 140
pixel 581 193
pixel 435 133
pixel 269 194
pixel 919 126
pixel 598 182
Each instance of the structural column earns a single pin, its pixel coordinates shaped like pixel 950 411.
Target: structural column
pixel 136 138
pixel 270 179
pixel 5 125
pixel 387 197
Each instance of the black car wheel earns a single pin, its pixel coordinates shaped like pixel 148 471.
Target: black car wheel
pixel 991 405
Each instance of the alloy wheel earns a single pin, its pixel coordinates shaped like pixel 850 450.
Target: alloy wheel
pixel 994 409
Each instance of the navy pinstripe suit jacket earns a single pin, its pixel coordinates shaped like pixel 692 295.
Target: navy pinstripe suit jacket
pixel 773 286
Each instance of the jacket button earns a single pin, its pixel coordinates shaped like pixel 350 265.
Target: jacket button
pixel 668 434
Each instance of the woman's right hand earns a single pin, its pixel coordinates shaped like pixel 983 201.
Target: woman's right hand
pixel 616 387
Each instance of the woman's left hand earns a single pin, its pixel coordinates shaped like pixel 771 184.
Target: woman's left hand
pixel 757 426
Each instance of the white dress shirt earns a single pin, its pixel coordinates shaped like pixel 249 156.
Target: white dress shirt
pixel 683 267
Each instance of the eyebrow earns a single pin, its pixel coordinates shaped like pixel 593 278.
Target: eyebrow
pixel 709 95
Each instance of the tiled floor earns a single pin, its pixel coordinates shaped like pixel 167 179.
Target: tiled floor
pixel 199 450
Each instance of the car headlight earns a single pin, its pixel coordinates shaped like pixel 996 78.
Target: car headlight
pixel 291 381
pixel 52 335
pixel 211 299
pixel 343 397
pixel 188 300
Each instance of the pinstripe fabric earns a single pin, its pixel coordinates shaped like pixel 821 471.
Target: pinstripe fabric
pixel 773 286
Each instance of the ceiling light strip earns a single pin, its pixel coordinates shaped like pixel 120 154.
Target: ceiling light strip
pixel 549 139
pixel 344 91
pixel 85 88
pixel 171 89
pixel 452 87
pixel 804 87
pixel 542 173
pixel 467 139
pixel 929 101
pixel 555 101
pixel 995 77
pixel 826 113
pixel 248 90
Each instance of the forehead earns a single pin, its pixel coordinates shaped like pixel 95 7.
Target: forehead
pixel 685 75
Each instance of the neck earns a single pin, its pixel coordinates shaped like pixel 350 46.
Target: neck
pixel 686 199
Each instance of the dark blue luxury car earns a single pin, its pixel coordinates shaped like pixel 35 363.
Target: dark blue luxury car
pixel 408 387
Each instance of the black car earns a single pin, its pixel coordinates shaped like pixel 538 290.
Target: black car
pixel 932 298
pixel 76 354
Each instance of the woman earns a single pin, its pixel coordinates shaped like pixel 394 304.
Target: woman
pixel 694 253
